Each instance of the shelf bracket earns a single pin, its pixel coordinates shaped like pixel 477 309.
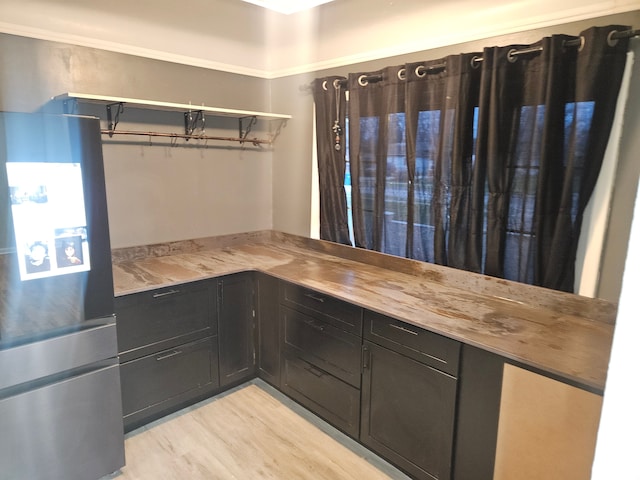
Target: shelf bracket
pixel 191 120
pixel 282 123
pixel 112 122
pixel 243 134
pixel 70 106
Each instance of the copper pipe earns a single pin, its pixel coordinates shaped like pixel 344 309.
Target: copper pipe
pixel 254 141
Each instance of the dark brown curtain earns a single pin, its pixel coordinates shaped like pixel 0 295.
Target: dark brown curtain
pixel 329 97
pixel 378 161
pixel 484 161
pixel 441 101
pixel 543 126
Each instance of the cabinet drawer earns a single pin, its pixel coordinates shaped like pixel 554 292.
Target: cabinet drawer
pixel 153 321
pixel 322 345
pixel 322 393
pixel 342 315
pixel 421 345
pixel 154 381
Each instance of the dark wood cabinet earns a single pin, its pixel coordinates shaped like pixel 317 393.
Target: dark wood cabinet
pixel 156 320
pixel 321 344
pixel 268 341
pixel 479 392
pixel 328 397
pixel 321 341
pixel 410 395
pixel 236 327
pixel 168 349
pixel 168 376
pixel 342 315
pixel 408 405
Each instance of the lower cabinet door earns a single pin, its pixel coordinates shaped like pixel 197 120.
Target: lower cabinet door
pixel 325 395
pixel 408 411
pixel 268 341
pixel 155 383
pixel 236 329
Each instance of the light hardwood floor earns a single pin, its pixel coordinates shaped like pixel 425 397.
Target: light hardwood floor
pixel 250 432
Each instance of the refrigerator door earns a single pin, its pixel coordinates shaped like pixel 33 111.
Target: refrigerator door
pixel 55 253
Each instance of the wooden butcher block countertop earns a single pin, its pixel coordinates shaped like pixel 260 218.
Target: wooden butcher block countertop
pixel 566 336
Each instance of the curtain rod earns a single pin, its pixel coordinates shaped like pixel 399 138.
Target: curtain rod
pixel 421 70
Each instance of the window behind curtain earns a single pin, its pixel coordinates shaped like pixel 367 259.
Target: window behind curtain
pixel 485 166
pixel 520 228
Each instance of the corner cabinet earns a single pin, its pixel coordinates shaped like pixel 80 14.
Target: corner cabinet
pixel 409 391
pixel 268 338
pixel 236 328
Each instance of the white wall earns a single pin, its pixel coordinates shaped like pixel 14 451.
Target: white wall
pixel 618 445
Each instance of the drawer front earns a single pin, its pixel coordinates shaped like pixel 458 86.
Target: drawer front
pixel 155 379
pixel 342 315
pixel 69 429
pixel 322 345
pixel 323 394
pixel 153 321
pixel 421 345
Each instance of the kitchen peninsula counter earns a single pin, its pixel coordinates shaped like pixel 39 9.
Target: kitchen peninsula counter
pixel 562 335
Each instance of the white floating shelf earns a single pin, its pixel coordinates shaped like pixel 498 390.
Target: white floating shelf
pixel 168 106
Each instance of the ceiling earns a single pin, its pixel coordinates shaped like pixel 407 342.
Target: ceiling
pixel 239 37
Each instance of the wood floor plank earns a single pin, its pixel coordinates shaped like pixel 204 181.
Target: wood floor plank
pixel 251 432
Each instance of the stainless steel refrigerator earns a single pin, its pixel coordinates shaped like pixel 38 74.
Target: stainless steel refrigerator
pixel 60 401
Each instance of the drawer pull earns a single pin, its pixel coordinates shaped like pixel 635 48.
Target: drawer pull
pixel 168 355
pixel 314 297
pixel 164 294
pixel 314 371
pixel 406 330
pixel 314 325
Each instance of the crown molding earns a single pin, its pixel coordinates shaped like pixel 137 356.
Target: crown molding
pixel 458 37
pixel 279 67
pixel 82 41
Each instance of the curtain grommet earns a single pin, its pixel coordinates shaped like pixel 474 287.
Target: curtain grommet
pixel 362 81
pixel 402 74
pixel 324 85
pixel 512 55
pixel 582 42
pixel 612 42
pixel 336 83
pixel 420 71
pixel 475 61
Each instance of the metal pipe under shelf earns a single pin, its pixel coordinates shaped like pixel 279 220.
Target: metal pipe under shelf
pixel 254 141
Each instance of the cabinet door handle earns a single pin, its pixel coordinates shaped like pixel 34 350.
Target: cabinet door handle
pixel 314 297
pixel 366 357
pixel 168 355
pixel 406 330
pixel 164 294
